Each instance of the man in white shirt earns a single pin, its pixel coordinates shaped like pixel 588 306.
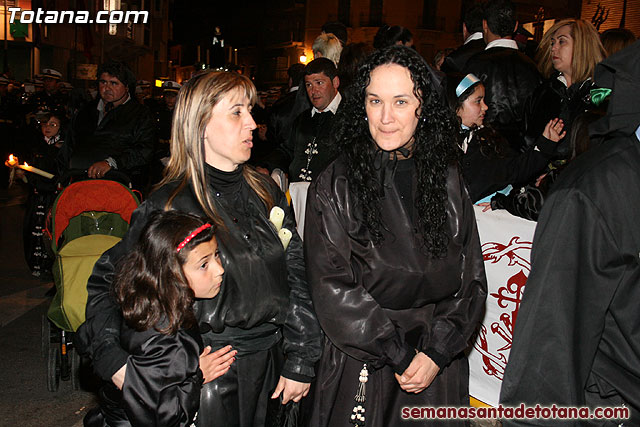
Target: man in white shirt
pixel 473 41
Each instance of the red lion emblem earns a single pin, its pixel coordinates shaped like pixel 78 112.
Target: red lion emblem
pixel 508 298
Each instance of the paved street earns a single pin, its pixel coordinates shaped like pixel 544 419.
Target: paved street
pixel 24 399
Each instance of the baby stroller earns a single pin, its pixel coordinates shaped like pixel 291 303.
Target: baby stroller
pixel 87 219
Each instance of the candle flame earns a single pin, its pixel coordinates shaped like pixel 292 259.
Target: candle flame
pixel 25 164
pixel 11 158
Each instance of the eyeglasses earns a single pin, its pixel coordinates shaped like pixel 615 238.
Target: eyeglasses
pixel 49 124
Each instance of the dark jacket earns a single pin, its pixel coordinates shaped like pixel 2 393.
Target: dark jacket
pixel 162 384
pixel 457 60
pixel 553 99
pixel 379 304
pixel 309 148
pixel 575 343
pixel 264 287
pixel 486 170
pixel 283 112
pixel 509 78
pixel 125 134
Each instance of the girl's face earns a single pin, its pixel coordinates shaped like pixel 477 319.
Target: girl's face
pixel 473 108
pixel 51 127
pixel 228 136
pixel 562 50
pixel 204 270
pixel 391 106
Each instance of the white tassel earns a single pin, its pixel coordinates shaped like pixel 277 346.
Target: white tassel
pixel 357 415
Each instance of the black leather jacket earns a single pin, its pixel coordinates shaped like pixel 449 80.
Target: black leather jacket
pixel 264 287
pixel 126 134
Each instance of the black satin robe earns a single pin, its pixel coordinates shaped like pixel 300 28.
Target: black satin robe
pixel 162 384
pixel 379 304
pixel 163 379
pixel 263 309
pixel 576 341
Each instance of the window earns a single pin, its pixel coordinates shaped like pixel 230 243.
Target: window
pixel 344 11
pixel 375 13
pixel 429 14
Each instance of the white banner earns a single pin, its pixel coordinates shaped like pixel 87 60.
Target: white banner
pixel 506 249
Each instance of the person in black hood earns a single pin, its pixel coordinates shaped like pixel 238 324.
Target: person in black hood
pixel 576 338
pixel 264 309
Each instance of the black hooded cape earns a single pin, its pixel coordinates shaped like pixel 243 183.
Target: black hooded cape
pixel 576 339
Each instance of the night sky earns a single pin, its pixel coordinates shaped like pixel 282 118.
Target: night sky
pixel 196 19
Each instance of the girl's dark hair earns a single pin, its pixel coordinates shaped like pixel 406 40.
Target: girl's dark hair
pixel 433 150
pixel 492 144
pixel 150 285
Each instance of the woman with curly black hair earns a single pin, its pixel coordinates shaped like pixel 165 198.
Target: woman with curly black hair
pixel 393 254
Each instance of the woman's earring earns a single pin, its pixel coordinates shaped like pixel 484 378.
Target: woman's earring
pixel 366 119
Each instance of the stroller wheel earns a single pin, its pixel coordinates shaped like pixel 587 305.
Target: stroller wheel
pixel 53 368
pixel 75 368
pixel 46 335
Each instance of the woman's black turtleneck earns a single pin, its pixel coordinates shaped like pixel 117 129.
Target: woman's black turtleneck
pixel 230 190
pixel 403 179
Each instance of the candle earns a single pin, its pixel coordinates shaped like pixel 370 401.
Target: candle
pixel 36 170
pixel 12 162
pixel 276 216
pixel 285 237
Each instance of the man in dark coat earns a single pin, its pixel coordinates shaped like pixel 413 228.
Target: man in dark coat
pixel 509 76
pixel 576 340
pixel 473 42
pixel 308 150
pixel 114 131
pixel 287 108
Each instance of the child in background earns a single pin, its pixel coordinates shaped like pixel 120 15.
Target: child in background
pixel 488 164
pixel 175 261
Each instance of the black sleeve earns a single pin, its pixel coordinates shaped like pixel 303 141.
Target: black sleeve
pixel 302 333
pixel 342 303
pixel 525 202
pixel 456 318
pixel 140 148
pixel 163 382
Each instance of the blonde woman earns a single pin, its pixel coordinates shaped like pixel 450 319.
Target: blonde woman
pixel 262 322
pixel 327 46
pixel 567 57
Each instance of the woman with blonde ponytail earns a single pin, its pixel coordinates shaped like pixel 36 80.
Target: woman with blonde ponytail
pixel 263 316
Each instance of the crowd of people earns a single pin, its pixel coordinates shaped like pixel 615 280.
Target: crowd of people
pixel 229 304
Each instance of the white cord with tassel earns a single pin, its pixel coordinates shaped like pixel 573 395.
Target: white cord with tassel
pixel 357 416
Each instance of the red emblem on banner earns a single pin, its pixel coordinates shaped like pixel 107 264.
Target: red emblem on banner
pixel 495 351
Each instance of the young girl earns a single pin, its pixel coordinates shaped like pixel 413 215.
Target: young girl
pixel 41 149
pixel 175 261
pixel 488 164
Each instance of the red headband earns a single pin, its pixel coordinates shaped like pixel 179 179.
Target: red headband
pixel 191 236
